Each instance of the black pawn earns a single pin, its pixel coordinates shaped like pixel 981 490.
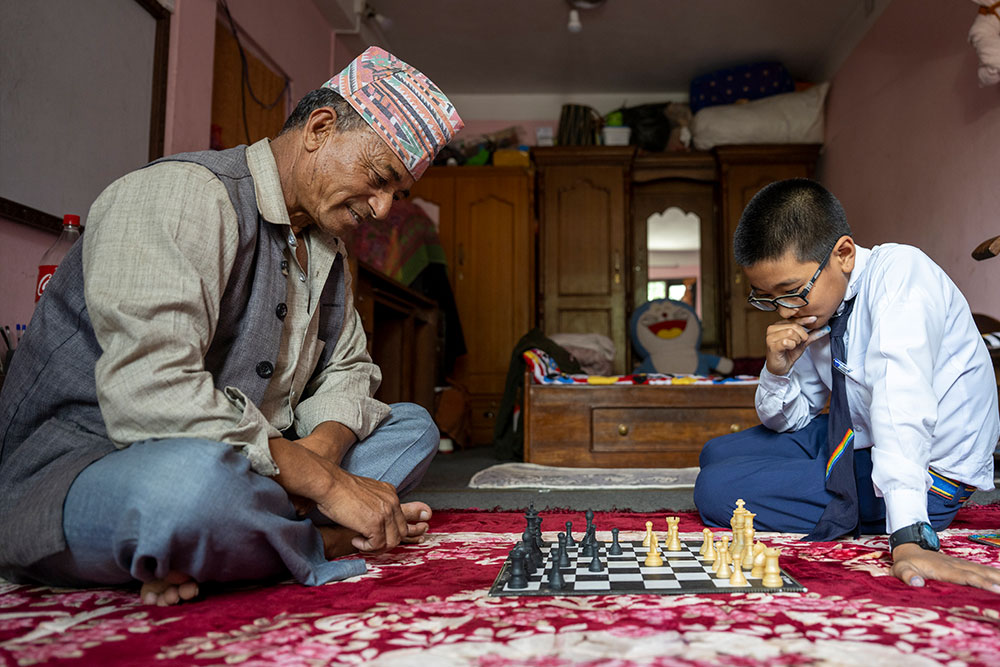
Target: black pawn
pixel 555 575
pixel 616 548
pixel 596 565
pixel 563 555
pixel 518 577
pixel 586 549
pixel 569 534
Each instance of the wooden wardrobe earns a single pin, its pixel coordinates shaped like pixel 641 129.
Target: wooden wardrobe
pixel 487 228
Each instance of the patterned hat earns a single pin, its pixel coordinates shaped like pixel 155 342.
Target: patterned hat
pixel 411 115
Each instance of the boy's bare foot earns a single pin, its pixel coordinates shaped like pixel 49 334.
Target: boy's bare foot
pixel 173 588
pixel 337 539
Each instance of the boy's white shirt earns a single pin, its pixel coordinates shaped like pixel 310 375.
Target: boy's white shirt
pixel 920 385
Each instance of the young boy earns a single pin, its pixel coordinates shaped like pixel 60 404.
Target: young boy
pixel 918 381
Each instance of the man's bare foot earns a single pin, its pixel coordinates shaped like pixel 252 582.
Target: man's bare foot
pixel 337 540
pixel 173 588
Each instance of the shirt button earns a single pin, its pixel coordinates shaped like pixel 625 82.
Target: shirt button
pixel 291 240
pixel 281 311
pixel 302 277
pixel 265 369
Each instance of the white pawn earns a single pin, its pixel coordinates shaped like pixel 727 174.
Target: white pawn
pixel 707 544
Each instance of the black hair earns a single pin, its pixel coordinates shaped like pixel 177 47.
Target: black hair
pixel 348 118
pixel 797 214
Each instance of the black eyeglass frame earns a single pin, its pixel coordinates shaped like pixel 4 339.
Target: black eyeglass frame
pixel 771 305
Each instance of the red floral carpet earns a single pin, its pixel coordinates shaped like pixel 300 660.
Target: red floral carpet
pixel 427 605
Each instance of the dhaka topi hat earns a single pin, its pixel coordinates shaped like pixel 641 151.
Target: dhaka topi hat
pixel 406 110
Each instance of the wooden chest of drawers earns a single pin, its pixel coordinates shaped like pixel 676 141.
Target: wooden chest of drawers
pixel 624 426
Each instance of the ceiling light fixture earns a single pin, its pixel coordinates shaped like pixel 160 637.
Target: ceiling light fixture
pixel 574 25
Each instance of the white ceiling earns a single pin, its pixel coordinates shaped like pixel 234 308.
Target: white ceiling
pixel 490 47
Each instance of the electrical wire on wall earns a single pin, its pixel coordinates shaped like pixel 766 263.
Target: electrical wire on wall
pixel 245 76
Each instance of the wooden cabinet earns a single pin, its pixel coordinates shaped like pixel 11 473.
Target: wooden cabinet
pixel 584 209
pixel 594 203
pixel 631 426
pixel 487 230
pixel 744 170
pixel 401 327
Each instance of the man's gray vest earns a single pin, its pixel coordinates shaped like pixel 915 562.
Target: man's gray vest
pixel 51 426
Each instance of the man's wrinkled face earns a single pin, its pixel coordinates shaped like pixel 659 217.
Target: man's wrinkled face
pixel 354 176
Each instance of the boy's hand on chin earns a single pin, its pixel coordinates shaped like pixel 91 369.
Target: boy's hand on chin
pixel 787 340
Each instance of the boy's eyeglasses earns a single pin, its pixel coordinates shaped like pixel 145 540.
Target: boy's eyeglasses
pixel 794 300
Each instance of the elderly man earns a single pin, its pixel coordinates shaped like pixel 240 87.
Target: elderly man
pixel 194 399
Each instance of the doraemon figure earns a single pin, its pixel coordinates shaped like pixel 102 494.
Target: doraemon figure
pixel 667 334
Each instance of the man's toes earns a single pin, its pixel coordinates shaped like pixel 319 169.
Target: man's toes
pixel 416 511
pixel 169 597
pixel 188 590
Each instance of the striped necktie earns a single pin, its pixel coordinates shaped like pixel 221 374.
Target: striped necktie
pixel 841 514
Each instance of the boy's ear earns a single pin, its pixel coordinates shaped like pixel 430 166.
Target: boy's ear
pixel 844 253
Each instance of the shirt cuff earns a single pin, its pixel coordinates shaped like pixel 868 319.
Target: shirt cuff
pixel 777 384
pixel 360 414
pixel 904 507
pixel 254 425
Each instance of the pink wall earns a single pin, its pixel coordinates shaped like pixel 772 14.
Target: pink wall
pixel 292 34
pixel 912 142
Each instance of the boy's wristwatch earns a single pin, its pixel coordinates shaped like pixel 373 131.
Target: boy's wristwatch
pixel 921 533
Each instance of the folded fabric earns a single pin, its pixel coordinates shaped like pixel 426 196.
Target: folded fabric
pixel 544 370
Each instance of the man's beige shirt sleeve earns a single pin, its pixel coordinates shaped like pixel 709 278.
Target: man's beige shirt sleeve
pixel 157 253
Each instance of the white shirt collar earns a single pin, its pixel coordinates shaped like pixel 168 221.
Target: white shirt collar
pixel 861 256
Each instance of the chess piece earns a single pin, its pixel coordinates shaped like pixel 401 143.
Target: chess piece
pixel 706 543
pixel 721 553
pixel 673 542
pixel 758 561
pixel 738 578
pixel 534 552
pixel 772 571
pixel 710 553
pixel 724 571
pixel 555 579
pixel 616 547
pixel 595 564
pixel 569 534
pixel 747 562
pixel 736 523
pixel 564 560
pixel 649 534
pixel 518 577
pixel 653 555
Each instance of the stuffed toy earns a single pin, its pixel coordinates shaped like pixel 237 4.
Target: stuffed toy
pixel 667 334
pixel 985 38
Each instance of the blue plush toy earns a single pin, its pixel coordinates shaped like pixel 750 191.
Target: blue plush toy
pixel 667 335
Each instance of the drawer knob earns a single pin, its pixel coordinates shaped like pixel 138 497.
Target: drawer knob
pixel 733 428
pixel 623 429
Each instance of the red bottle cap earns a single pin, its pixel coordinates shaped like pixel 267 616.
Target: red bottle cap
pixel 73 220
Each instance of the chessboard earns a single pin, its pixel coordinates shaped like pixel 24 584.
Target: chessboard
pixel 682 573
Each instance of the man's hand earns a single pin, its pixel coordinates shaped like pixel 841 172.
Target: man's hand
pixel 787 340
pixel 369 507
pixel 914 566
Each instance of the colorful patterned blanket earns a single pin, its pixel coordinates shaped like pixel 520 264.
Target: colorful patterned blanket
pixel 544 370
pixel 427 605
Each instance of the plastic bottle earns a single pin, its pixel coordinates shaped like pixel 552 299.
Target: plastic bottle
pixel 54 255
